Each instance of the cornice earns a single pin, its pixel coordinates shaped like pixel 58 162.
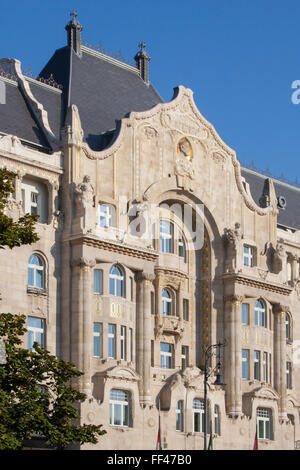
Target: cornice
pixel 115 247
pixel 255 282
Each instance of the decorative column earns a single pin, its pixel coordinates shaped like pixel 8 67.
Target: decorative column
pixel 233 353
pixel 280 357
pixel 144 281
pixel 82 321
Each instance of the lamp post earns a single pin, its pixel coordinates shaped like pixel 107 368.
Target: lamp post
pixel 209 352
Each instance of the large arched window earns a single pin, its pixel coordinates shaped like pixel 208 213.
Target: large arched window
pixel 116 281
pixel 166 236
pixel 167 302
pixel 260 314
pixel 36 272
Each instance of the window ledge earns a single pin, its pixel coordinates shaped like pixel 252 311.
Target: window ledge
pixel 36 291
pixel 120 428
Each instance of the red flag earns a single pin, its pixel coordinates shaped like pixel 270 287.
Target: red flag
pixel 255 447
pixel 158 442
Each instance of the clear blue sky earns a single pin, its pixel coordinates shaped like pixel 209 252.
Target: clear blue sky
pixel 239 57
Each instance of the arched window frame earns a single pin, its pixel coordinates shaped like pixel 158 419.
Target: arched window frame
pixel 260 313
pixel 117 281
pixel 167 300
pixel 36 272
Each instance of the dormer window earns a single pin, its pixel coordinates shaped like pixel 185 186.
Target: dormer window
pixel 34 198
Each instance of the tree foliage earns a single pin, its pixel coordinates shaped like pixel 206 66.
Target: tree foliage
pixel 13 233
pixel 36 395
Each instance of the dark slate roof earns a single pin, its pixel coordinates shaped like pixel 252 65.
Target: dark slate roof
pixel 104 90
pixel 290 215
pixel 16 118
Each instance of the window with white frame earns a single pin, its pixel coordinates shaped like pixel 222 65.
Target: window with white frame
pixel 36 271
pixel 166 355
pixel 166 236
pixel 248 255
pixel 256 365
pixel 97 281
pixel 217 420
pixel 123 343
pixel 111 341
pixel 245 364
pixel 97 335
pixel 119 408
pixel 179 416
pixel 289 375
pixel 260 314
pixel 34 198
pixel 167 302
pixel 35 332
pixel 263 416
pixel 116 281
pixel 106 215
pixel 198 415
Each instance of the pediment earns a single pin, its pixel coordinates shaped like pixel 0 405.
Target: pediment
pixel 121 373
pixel 264 393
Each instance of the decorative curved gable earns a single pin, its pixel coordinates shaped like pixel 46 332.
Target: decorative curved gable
pixel 263 392
pixel 122 373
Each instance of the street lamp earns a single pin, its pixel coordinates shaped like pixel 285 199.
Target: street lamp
pixel 209 352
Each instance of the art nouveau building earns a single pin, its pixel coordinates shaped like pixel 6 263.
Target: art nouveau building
pixel 154 245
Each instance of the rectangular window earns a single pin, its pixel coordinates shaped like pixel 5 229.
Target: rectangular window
pixel 130 345
pixel 34 203
pixel 166 355
pixel 265 367
pixel 97 281
pixel 263 423
pixel 106 215
pixel 112 341
pixel 119 408
pixel 184 357
pixel 245 314
pixel 289 375
pixel 198 412
pixel 248 256
pixel 36 332
pixel 123 343
pixel 245 364
pixel 186 309
pixel 97 340
pixel 256 365
pixel 179 416
pixel 166 236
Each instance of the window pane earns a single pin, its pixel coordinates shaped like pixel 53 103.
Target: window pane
pixel 245 314
pixel 97 281
pixel 126 415
pixel 196 422
pixel 117 415
pixel 112 286
pixel 30 277
pixel 39 278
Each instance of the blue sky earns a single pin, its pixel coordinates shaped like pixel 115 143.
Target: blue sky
pixel 239 57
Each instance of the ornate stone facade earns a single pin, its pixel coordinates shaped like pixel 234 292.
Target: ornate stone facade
pixel 135 311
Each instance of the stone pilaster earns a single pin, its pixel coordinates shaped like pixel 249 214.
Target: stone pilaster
pixel 233 353
pixel 144 281
pixel 280 357
pixel 81 320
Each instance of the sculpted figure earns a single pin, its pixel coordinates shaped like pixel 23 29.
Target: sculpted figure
pixel 84 193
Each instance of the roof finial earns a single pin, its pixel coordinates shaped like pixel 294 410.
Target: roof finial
pixel 74 29
pixel 73 14
pixel 142 60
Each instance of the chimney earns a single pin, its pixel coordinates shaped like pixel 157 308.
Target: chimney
pixel 74 29
pixel 142 62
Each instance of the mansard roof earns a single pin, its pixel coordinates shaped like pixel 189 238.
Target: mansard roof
pixel 288 216
pixel 104 90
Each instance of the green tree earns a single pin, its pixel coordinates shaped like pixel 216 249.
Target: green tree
pixel 14 233
pixel 36 393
